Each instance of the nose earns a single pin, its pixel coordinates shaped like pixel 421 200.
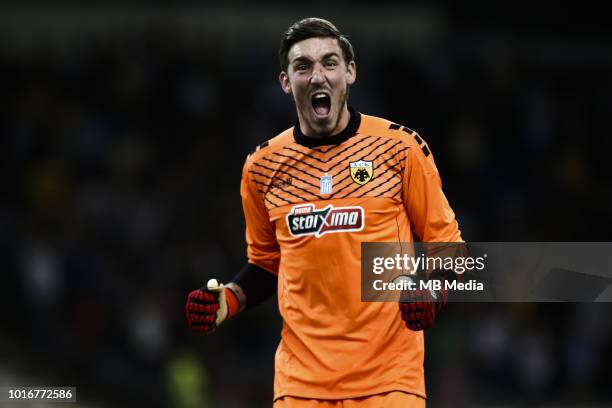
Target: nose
pixel 318 74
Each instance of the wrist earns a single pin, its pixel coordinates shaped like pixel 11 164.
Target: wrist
pixel 235 299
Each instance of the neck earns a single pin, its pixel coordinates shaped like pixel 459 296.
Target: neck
pixel 342 123
pixel 344 132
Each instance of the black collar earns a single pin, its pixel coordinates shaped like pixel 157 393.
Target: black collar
pixel 349 131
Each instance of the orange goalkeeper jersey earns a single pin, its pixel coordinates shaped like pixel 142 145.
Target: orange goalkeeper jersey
pixel 309 204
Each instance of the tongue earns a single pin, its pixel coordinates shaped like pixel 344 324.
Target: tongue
pixel 321 106
pixel 322 110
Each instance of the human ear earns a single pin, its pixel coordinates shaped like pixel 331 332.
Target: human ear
pixel 283 78
pixel 351 73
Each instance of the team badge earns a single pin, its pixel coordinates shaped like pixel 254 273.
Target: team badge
pixel 361 171
pixel 326 184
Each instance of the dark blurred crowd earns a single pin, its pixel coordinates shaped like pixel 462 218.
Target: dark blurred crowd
pixel 122 157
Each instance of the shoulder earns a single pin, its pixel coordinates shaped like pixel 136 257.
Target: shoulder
pixel 269 146
pixel 380 127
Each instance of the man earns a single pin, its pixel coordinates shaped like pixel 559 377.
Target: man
pixel 311 196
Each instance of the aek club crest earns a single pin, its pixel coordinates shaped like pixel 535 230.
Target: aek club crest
pixel 361 171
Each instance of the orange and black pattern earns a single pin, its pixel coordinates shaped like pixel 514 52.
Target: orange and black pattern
pixel 291 175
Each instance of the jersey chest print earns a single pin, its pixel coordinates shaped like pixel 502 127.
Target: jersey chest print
pixel 307 220
pixel 369 166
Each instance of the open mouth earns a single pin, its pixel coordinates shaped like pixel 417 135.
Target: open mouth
pixel 321 103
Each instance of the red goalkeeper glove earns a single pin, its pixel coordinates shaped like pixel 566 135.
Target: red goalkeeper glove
pixel 419 307
pixel 209 306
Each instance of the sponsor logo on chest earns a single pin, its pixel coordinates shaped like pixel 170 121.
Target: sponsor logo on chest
pixel 307 220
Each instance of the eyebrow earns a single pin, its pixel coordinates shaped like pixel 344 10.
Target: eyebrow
pixel 307 59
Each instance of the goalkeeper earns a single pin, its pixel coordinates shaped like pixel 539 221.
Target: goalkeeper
pixel 311 196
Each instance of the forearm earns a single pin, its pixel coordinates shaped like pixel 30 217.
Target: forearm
pixel 251 286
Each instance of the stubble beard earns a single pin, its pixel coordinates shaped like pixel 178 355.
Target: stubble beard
pixel 321 130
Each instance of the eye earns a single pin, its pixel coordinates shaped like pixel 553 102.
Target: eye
pixel 300 67
pixel 331 64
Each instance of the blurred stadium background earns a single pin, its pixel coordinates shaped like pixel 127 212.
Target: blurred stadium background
pixel 124 127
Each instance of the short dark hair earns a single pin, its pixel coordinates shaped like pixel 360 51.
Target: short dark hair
pixel 308 28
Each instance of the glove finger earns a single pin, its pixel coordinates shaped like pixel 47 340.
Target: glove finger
pixel 412 316
pixel 414 326
pixel 205 328
pixel 203 297
pixel 201 318
pixel 411 307
pixel 202 309
pixel 206 319
pixel 200 328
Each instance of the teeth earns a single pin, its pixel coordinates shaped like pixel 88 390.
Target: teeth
pixel 319 95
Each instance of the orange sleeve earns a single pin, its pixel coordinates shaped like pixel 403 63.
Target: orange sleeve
pixel 431 216
pixel 262 246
